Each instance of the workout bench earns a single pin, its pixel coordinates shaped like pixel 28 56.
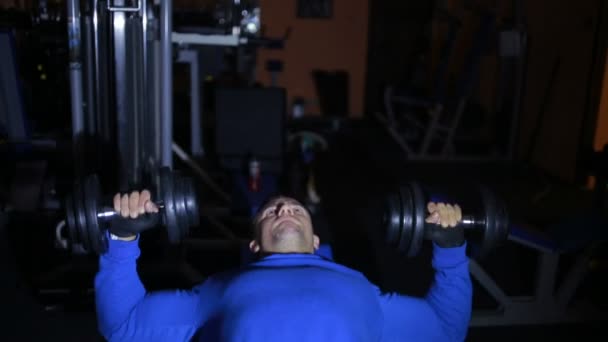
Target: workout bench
pixel 552 302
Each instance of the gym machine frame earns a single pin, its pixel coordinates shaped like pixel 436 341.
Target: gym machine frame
pixel 121 62
pixel 551 303
pixel 121 65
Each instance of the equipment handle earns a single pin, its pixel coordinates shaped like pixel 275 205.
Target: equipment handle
pixel 124 8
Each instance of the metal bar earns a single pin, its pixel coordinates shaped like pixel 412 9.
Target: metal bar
pixel 166 83
pixel 199 171
pixel 573 278
pixel 75 66
pixel 89 76
pixel 157 102
pixel 195 110
pixel 191 57
pixel 102 93
pixel 529 244
pixel 149 160
pixel 135 64
pixel 488 283
pixel 121 8
pixel 207 39
pixel 124 132
pixel 545 277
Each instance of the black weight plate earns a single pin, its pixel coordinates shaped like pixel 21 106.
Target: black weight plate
pixel 497 223
pixel 71 219
pixel 92 200
pixel 419 211
pixel 166 192
pixel 81 218
pixel 92 226
pixel 392 220
pixel 181 213
pixel 192 203
pixel 406 219
pixel 503 223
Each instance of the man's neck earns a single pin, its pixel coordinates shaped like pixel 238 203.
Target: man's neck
pixel 261 255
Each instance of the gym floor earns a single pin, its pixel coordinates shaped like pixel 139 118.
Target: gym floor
pixel 361 164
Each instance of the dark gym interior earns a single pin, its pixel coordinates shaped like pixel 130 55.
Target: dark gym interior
pixel 361 110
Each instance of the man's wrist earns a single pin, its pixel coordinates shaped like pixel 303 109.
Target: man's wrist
pixel 449 257
pixel 451 244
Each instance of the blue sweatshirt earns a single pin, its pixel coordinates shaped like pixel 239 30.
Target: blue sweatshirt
pixel 281 297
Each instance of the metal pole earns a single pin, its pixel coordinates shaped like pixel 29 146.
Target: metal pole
pixel 137 87
pixel 199 171
pixel 124 116
pixel 75 69
pixel 149 159
pixel 103 97
pixel 166 83
pixel 195 111
pixel 89 75
pixel 191 57
pixel 157 103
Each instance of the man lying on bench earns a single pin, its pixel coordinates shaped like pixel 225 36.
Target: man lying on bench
pixel 288 293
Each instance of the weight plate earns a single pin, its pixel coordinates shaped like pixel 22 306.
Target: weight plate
pixel 418 217
pixel 405 219
pixel 192 203
pixel 71 220
pixel 81 219
pixel 392 220
pixel 92 200
pixel 181 213
pixel 497 223
pixel 166 191
pixel 503 223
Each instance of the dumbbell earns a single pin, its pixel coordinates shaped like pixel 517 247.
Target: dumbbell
pixel 88 219
pixel 485 220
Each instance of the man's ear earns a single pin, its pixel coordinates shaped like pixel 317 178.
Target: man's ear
pixel 254 246
pixel 315 242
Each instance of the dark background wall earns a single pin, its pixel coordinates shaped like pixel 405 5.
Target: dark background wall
pixel 378 42
pixel 337 43
pixel 564 30
pixel 569 34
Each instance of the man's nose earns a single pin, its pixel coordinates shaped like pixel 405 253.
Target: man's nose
pixel 285 209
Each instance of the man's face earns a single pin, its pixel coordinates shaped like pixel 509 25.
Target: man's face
pixel 284 226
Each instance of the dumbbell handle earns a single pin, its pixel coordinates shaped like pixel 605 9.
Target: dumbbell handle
pixel 107 212
pixel 469 222
pixel 129 226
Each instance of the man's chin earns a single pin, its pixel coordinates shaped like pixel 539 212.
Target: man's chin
pixel 288 227
pixel 289 233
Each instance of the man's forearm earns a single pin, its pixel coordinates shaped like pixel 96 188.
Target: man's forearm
pixel 451 293
pixel 118 287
